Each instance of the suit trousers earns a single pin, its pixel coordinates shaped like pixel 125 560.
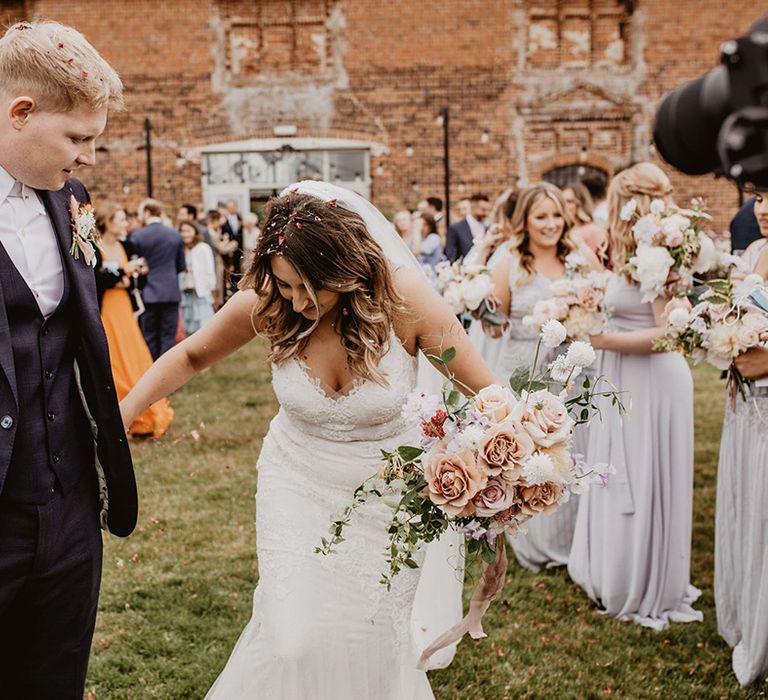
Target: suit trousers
pixel 50 571
pixel 159 324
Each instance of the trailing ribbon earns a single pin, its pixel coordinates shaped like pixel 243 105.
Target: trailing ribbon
pixel 487 590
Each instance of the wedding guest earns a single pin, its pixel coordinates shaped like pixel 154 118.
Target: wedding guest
pixel 403 223
pixel 251 233
pixel 488 251
pixel 434 207
pixel 585 230
pixel 65 467
pixel 116 278
pixel 464 208
pixel 162 248
pixel 744 227
pixel 741 544
pixel 429 248
pixel 632 544
pixel 226 246
pixel 197 281
pixel 596 186
pixel 754 256
pixel 461 235
pixel 188 212
pixel 539 244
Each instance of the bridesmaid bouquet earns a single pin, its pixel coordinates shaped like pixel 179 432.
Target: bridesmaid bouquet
pixel 671 247
pixel 467 289
pixel 484 464
pixel 578 302
pixel 721 326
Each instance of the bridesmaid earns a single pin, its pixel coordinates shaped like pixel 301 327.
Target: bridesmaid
pixel 632 544
pixel 539 244
pixel 129 354
pixel 741 524
pixel 488 252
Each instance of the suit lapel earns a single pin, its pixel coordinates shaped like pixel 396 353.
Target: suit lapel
pixel 6 350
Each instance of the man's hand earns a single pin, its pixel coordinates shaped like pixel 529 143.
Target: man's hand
pixel 752 363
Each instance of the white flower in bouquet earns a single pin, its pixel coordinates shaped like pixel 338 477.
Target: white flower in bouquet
pixel 674 227
pixel 580 354
pixel 658 206
pixel 453 296
pixel 707 257
pixel 581 322
pixel 444 272
pixel 743 288
pixel 469 438
pixel 679 318
pixel 645 228
pixel 475 289
pixel 538 469
pixel 628 210
pixel 721 345
pixel 651 269
pixel 561 370
pixel 553 333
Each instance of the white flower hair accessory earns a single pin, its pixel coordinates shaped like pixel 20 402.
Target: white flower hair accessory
pixel 628 210
pixel 85 236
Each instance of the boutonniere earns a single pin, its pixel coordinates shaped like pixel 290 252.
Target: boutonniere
pixel 85 236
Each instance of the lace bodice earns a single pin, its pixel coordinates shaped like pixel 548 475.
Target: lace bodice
pixel 368 411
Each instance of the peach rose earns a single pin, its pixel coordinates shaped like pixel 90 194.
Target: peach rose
pixel 545 418
pixel 453 480
pixel 495 402
pixel 580 322
pixel 505 448
pixel 541 498
pixel 498 495
pixel 561 458
pixel 587 297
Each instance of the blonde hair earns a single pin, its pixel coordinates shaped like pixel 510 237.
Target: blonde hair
pixel 643 182
pixel 56 66
pixel 104 213
pixel 330 248
pixel 519 245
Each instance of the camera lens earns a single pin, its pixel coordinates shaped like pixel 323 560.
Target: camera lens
pixel 688 121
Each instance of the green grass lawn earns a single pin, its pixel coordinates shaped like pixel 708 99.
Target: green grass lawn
pixel 177 593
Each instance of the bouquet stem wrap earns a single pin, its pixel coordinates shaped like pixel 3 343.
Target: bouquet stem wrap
pixel 487 590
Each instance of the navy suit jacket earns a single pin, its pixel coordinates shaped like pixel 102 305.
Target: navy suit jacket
pixel 163 250
pixel 744 226
pixel 94 374
pixel 458 240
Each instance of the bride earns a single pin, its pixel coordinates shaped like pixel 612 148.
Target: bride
pixel 346 317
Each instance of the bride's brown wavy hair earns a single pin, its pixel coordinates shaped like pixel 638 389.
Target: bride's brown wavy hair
pixel 642 182
pixel 330 248
pixel 520 246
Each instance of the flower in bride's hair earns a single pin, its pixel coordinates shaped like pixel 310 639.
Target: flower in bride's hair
pixel 453 479
pixel 628 210
pixel 658 206
pixel 553 333
pixel 580 354
pixel 494 402
pixel 505 448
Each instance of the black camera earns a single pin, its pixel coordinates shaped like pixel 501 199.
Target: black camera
pixel 719 122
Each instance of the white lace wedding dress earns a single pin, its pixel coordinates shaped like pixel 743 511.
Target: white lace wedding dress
pixel 323 627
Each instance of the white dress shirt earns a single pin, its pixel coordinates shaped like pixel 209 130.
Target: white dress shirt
pixel 477 228
pixel 27 234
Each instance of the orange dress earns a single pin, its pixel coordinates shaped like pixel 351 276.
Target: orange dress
pixel 130 358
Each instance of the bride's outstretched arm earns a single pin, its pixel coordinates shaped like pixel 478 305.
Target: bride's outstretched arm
pixel 231 328
pixel 433 326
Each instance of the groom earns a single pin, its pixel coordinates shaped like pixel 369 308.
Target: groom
pixel 65 467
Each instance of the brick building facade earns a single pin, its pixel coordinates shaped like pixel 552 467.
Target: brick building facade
pixel 243 94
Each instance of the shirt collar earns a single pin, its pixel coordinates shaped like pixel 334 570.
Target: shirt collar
pixel 154 220
pixel 31 197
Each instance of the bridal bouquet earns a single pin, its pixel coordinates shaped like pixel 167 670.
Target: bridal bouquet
pixel 671 247
pixel 721 326
pixel 483 464
pixel 578 302
pixel 467 288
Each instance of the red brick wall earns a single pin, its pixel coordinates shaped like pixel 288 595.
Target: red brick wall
pixel 545 78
